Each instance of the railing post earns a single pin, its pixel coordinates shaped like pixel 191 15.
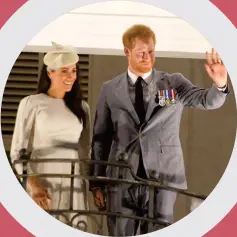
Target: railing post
pixel 24 155
pixel 72 185
pixel 122 158
pixel 154 176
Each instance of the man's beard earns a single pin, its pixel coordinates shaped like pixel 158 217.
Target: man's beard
pixel 139 67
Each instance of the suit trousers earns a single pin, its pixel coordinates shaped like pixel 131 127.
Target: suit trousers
pixel 138 195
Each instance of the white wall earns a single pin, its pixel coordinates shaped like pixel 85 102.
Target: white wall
pixel 98 28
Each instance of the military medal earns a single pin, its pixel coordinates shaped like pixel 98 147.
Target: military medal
pixel 167 98
pixel 161 97
pixel 173 101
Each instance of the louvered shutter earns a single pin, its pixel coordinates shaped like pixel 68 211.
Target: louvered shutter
pixel 23 81
pixel 84 76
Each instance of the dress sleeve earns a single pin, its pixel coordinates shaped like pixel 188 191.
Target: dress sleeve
pixel 85 138
pixel 23 131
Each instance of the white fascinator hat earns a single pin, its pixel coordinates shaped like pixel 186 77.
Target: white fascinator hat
pixel 60 56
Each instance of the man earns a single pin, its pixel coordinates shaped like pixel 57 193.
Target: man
pixel 138 114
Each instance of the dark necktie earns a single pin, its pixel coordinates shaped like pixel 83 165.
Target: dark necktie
pixel 139 103
pixel 139 106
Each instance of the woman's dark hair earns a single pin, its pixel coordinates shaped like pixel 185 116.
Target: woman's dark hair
pixel 73 98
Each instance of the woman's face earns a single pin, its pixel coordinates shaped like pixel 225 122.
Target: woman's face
pixel 62 79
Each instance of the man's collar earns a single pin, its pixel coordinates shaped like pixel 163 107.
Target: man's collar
pixel 134 77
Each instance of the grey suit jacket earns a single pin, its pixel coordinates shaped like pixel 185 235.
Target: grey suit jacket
pixel 117 125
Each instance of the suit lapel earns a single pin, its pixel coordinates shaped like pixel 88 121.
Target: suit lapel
pixel 122 94
pixel 154 102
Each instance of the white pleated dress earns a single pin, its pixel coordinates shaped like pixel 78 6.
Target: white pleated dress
pixel 52 122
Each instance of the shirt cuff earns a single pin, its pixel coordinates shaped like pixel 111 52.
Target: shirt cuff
pixel 222 88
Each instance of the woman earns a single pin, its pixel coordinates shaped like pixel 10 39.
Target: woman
pixel 55 115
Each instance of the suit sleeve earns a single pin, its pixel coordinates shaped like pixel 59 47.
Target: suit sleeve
pixel 102 137
pixel 199 98
pixel 23 131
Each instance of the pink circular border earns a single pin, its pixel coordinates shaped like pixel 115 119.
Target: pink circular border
pixel 10 227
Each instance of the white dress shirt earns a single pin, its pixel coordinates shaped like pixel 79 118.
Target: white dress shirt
pixel 145 76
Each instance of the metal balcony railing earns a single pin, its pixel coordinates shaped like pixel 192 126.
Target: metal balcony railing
pixel 121 164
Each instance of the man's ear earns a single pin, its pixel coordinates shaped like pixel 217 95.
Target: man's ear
pixel 127 51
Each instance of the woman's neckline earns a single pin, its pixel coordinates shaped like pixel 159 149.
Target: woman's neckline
pixel 51 97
